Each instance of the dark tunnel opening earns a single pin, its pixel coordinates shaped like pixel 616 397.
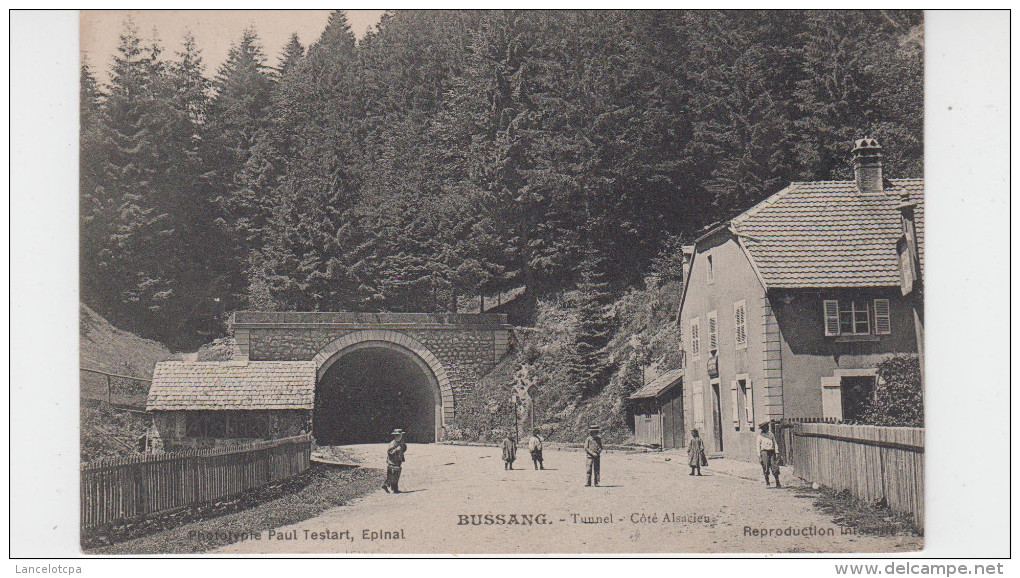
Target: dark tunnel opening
pixel 369 392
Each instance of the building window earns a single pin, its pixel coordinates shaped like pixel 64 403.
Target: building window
pixel 743 404
pixel 740 324
pixel 695 338
pixel 853 317
pixel 713 333
pixel 710 274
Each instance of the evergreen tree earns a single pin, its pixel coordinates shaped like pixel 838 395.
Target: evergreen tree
pixel 97 207
pixel 834 94
pixel 239 118
pixel 318 233
pixel 484 144
pixel 130 273
pixel 588 366
pixel 201 260
pixel 292 54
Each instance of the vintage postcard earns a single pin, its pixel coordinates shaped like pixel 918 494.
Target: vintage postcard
pixel 502 282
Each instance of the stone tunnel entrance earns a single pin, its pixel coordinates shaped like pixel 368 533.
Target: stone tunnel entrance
pixel 371 388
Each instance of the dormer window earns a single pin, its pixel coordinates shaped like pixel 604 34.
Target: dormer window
pixel 854 317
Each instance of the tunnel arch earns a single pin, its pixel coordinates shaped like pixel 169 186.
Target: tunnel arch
pixel 399 343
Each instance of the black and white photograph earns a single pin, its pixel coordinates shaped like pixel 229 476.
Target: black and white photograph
pixel 509 282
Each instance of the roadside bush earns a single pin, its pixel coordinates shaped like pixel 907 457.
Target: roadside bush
pixel 899 397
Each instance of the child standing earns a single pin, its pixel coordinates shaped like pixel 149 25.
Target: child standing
pixel 696 453
pixel 509 452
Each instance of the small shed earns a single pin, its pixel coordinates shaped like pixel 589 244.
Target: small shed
pixel 658 410
pixel 201 405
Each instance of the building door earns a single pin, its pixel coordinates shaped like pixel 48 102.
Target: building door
pixel 673 419
pixel 717 417
pixel 856 393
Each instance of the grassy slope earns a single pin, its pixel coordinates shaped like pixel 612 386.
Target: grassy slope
pixel 645 312
pixel 106 432
pixel 106 348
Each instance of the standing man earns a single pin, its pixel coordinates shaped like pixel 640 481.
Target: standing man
pixel 394 460
pixel 593 453
pixel 535 447
pixel 767 453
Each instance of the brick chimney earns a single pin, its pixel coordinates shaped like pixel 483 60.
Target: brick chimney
pixel 868 165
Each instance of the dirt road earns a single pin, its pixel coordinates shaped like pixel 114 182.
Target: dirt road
pixel 460 500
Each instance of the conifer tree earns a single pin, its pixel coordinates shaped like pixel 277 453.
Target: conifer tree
pixel 588 366
pixel 318 231
pixel 130 272
pixel 292 54
pixel 239 117
pixel 834 93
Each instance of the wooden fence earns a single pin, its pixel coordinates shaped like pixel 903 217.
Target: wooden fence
pixel 120 489
pixel 124 392
pixel 872 462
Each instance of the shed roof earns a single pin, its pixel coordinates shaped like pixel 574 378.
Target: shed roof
pixel 829 234
pixel 180 385
pixel 658 385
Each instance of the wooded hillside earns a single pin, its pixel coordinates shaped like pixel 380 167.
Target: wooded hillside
pixel 451 154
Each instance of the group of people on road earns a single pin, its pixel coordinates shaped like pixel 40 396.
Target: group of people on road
pixel 592 451
pixel 765 442
pixel 534 448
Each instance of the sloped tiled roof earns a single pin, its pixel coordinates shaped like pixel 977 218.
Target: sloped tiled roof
pixel 180 385
pixel 658 385
pixel 829 234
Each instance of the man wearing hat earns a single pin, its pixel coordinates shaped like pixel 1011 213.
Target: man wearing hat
pixel 766 443
pixel 535 448
pixel 394 459
pixel 593 453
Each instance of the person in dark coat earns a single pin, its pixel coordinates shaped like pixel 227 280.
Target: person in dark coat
pixel 696 453
pixel 593 454
pixel 509 452
pixel 394 461
pixel 766 443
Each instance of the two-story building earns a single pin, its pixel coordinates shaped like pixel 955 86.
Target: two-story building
pixel 788 307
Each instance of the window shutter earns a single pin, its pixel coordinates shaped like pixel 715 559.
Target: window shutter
pixel 695 338
pixel 699 406
pixel 832 398
pixel 736 407
pixel 831 317
pixel 883 321
pixel 713 332
pixel 740 323
pixel 749 406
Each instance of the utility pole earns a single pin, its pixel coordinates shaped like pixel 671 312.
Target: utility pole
pixel 513 402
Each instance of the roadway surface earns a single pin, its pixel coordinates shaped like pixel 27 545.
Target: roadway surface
pixel 459 499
